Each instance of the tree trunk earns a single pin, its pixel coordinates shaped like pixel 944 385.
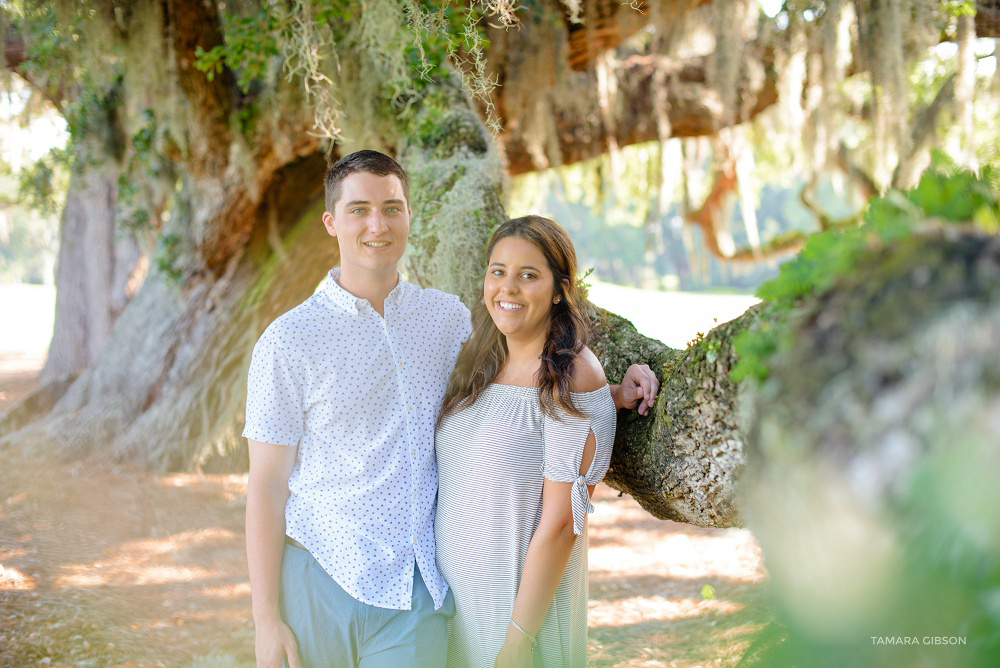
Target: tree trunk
pixel 244 244
pixel 681 464
pixel 98 271
pixel 168 390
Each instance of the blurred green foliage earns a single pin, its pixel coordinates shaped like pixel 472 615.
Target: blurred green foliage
pixel 946 194
pixel 29 236
pixel 42 186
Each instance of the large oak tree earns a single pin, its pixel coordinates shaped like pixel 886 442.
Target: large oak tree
pixel 202 136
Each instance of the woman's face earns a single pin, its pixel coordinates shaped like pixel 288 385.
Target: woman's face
pixel 519 289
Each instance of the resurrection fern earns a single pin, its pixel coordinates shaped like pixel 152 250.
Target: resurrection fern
pixel 945 195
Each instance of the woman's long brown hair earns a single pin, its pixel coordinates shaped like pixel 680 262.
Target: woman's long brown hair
pixel 485 352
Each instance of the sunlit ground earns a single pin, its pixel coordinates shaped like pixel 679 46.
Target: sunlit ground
pixel 100 565
pixel 672 317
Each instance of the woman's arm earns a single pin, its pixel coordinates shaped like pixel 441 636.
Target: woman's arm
pixel 553 540
pixel 544 566
pixel 267 493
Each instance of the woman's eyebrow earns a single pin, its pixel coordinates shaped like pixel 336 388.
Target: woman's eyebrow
pixel 526 266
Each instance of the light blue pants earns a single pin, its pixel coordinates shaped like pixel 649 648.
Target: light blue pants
pixel 335 630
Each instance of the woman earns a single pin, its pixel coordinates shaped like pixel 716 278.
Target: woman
pixel 526 432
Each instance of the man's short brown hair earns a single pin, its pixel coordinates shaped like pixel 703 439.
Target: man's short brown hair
pixel 369 161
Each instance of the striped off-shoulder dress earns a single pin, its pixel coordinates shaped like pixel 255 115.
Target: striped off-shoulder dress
pixel 492 457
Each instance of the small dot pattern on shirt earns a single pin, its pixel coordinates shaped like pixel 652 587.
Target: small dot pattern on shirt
pixel 359 394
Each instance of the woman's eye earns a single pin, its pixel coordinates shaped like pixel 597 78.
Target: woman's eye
pixel 497 272
pixel 527 276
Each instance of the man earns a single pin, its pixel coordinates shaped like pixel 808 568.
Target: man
pixel 343 395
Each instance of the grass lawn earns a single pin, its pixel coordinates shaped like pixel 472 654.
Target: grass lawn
pixel 27 313
pixel 672 317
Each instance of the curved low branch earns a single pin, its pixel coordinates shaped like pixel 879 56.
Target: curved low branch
pixel 694 109
pixel 683 463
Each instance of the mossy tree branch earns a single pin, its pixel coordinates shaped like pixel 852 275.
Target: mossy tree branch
pixel 683 462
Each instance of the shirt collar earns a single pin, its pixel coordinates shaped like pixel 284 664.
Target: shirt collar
pixel 352 304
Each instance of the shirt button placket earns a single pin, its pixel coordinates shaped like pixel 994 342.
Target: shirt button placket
pixel 413 451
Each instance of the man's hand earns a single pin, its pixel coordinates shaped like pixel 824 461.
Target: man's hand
pixel 638 389
pixel 275 641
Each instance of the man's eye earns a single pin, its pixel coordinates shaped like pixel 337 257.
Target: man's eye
pixel 392 209
pixel 357 211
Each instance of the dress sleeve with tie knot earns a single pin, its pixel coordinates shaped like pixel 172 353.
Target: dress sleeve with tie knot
pixel 564 438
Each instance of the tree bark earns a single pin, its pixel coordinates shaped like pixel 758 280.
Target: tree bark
pixel 456 183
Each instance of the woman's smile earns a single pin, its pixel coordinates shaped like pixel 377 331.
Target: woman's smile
pixel 519 288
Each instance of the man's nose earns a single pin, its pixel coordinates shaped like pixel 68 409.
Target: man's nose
pixel 376 222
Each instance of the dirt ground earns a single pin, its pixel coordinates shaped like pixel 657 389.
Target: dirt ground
pixel 107 566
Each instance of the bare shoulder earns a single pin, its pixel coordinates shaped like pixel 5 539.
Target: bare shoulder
pixel 588 374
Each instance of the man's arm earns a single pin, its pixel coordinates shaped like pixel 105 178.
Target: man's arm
pixel 267 493
pixel 638 389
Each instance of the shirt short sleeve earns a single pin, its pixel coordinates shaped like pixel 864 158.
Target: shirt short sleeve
pixel 274 396
pixel 564 437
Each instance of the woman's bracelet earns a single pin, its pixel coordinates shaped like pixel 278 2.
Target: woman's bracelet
pixel 529 636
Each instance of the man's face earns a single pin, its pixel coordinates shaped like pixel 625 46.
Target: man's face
pixel 371 221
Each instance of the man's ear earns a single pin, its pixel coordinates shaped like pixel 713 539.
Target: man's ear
pixel 328 223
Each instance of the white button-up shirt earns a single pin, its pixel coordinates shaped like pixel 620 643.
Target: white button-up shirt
pixel 359 394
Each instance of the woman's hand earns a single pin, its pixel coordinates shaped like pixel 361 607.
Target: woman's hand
pixel 638 389
pixel 516 651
